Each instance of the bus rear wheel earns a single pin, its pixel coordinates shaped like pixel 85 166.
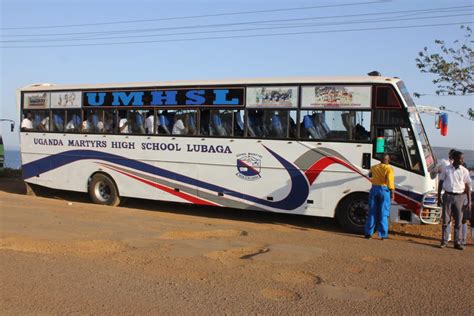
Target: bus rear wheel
pixel 352 212
pixel 103 190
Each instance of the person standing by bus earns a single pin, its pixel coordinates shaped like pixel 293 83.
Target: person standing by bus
pixel 380 197
pixel 456 183
pixel 443 163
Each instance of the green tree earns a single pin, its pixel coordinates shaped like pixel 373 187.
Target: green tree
pixel 453 67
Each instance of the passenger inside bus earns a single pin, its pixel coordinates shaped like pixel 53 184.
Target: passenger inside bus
pixel 216 124
pixel 164 127
pixel 190 122
pixel 178 126
pixel 124 126
pixel 87 125
pixel 150 122
pixel 139 123
pixel 255 123
pixel 73 124
pixel 277 126
pixel 41 122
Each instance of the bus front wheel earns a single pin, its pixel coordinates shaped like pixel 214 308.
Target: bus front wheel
pixel 352 212
pixel 103 190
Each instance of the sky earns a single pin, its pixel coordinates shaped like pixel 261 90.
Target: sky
pixel 319 45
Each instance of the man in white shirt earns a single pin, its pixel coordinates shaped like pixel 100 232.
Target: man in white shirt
pixel 27 123
pixel 44 125
pixel 179 128
pixel 456 183
pixel 443 163
pixel 149 122
pixel 124 127
pixel 70 126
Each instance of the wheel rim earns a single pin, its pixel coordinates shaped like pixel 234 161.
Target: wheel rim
pixel 358 212
pixel 102 191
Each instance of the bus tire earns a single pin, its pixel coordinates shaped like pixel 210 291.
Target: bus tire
pixel 102 190
pixel 352 212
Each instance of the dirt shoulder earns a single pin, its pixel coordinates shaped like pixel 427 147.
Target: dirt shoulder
pixel 61 254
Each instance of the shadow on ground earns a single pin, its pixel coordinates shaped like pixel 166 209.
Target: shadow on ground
pixel 297 222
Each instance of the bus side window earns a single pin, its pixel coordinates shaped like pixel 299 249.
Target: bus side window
pixel 183 122
pixel 218 127
pixel 151 122
pixel 205 122
pixel 279 124
pixel 41 121
pixel 87 126
pixel 292 127
pixel 254 123
pixel 238 123
pixel 58 120
pixel 125 122
pixel 137 120
pixel 109 122
pixel 309 128
pixel 164 121
pixel 313 125
pixel 190 122
pixel 74 121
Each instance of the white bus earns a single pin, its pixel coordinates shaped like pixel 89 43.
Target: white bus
pixel 291 145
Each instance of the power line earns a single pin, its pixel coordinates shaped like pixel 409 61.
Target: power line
pixel 198 16
pixel 237 30
pixel 244 36
pixel 434 10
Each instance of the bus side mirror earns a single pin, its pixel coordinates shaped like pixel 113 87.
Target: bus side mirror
pixel 380 145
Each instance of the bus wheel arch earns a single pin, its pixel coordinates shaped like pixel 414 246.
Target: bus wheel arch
pixel 352 210
pixel 103 189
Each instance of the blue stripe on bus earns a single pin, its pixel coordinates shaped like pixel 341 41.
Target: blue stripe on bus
pixel 412 195
pixel 296 197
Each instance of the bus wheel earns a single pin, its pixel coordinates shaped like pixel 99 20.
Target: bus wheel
pixel 352 212
pixel 103 190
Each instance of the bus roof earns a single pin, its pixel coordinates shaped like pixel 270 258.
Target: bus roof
pixel 250 81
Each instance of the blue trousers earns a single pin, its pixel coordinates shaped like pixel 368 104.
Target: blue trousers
pixel 379 211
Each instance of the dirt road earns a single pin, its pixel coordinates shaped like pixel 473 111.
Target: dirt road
pixel 60 254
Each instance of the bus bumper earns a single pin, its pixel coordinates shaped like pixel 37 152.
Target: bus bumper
pixel 430 212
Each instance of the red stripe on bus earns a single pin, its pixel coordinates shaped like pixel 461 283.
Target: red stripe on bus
pixel 313 172
pixel 182 195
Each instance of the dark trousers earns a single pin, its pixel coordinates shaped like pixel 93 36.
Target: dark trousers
pixel 452 207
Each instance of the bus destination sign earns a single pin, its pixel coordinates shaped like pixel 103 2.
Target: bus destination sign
pixel 172 97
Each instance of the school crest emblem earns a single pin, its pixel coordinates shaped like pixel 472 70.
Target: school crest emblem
pixel 249 166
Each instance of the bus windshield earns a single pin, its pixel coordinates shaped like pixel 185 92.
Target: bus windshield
pixel 421 136
pixel 418 128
